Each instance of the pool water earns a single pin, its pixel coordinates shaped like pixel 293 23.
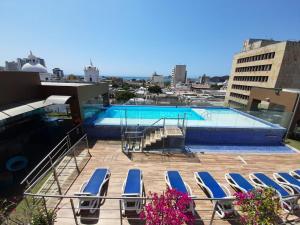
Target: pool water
pixel 136 112
pixel 195 117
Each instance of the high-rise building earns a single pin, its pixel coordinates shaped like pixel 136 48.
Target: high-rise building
pixel 263 63
pixel 91 73
pixel 11 66
pixel 58 74
pixel 179 74
pixel 157 80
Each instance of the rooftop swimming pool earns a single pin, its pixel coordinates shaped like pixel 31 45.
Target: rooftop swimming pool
pixel 204 125
pixel 195 117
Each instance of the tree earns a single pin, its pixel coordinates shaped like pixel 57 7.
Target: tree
pixel 124 95
pixel 155 89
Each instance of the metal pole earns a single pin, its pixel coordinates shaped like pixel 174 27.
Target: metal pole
pixel 55 175
pixel 213 214
pixel 74 212
pixel 87 145
pixel 74 155
pixel 45 206
pixel 120 207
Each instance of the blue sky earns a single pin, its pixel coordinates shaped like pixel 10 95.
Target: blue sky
pixel 138 37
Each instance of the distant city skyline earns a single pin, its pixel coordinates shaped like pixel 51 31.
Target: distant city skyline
pixel 136 38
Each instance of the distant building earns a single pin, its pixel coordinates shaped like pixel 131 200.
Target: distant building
pixel 263 63
pixel 91 73
pixel 179 74
pixel 2 68
pixel 157 80
pixel 33 65
pixel 204 79
pixel 11 66
pixel 58 74
pixel 22 62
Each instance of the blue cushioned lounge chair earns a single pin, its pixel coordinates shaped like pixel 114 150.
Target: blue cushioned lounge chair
pixel 93 187
pixel 288 180
pixel 224 207
pixel 133 187
pixel 175 181
pixel 238 182
pixel 288 202
pixel 296 174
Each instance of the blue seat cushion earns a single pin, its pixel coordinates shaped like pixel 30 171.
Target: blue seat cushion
pixel 95 181
pixel 133 182
pixel 270 183
pixel 291 180
pixel 176 181
pixel 297 172
pixel 212 185
pixel 241 181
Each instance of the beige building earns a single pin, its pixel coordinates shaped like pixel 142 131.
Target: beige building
pixel 179 74
pixel 263 63
pixel 157 80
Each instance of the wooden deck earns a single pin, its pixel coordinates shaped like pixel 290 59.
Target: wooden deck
pixel 108 154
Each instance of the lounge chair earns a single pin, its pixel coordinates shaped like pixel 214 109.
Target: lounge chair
pixel 295 173
pixel 288 180
pixel 238 182
pixel 213 189
pixel 175 181
pixel 288 202
pixel 133 187
pixel 93 187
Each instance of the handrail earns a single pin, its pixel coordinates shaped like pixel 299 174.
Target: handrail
pixel 124 197
pixel 43 160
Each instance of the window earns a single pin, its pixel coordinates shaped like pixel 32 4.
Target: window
pixel 264 56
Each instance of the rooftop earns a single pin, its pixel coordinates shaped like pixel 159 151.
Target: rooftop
pixel 109 154
pixel 65 84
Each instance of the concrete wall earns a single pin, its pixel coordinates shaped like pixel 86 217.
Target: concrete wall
pixel 286 99
pixel 289 74
pixel 18 87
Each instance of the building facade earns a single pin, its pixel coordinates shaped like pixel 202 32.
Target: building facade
pixel 179 74
pixel 58 74
pixel 11 66
pixel 265 64
pixel 157 80
pixel 91 73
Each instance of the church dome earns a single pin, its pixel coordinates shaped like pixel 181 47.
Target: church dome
pixel 34 68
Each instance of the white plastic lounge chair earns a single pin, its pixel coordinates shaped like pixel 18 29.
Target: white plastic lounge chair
pixel 224 208
pixel 175 181
pixel 238 182
pixel 288 180
pixel 133 187
pixel 93 187
pixel 287 202
pixel 296 174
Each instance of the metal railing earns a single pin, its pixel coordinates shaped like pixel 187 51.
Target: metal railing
pixel 48 164
pixel 137 136
pixel 206 216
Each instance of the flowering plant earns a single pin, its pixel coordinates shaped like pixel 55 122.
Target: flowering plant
pixel 168 208
pixel 259 206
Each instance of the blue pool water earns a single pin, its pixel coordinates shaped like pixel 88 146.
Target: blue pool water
pixel 144 112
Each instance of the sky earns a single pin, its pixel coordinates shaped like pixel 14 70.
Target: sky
pixel 138 37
